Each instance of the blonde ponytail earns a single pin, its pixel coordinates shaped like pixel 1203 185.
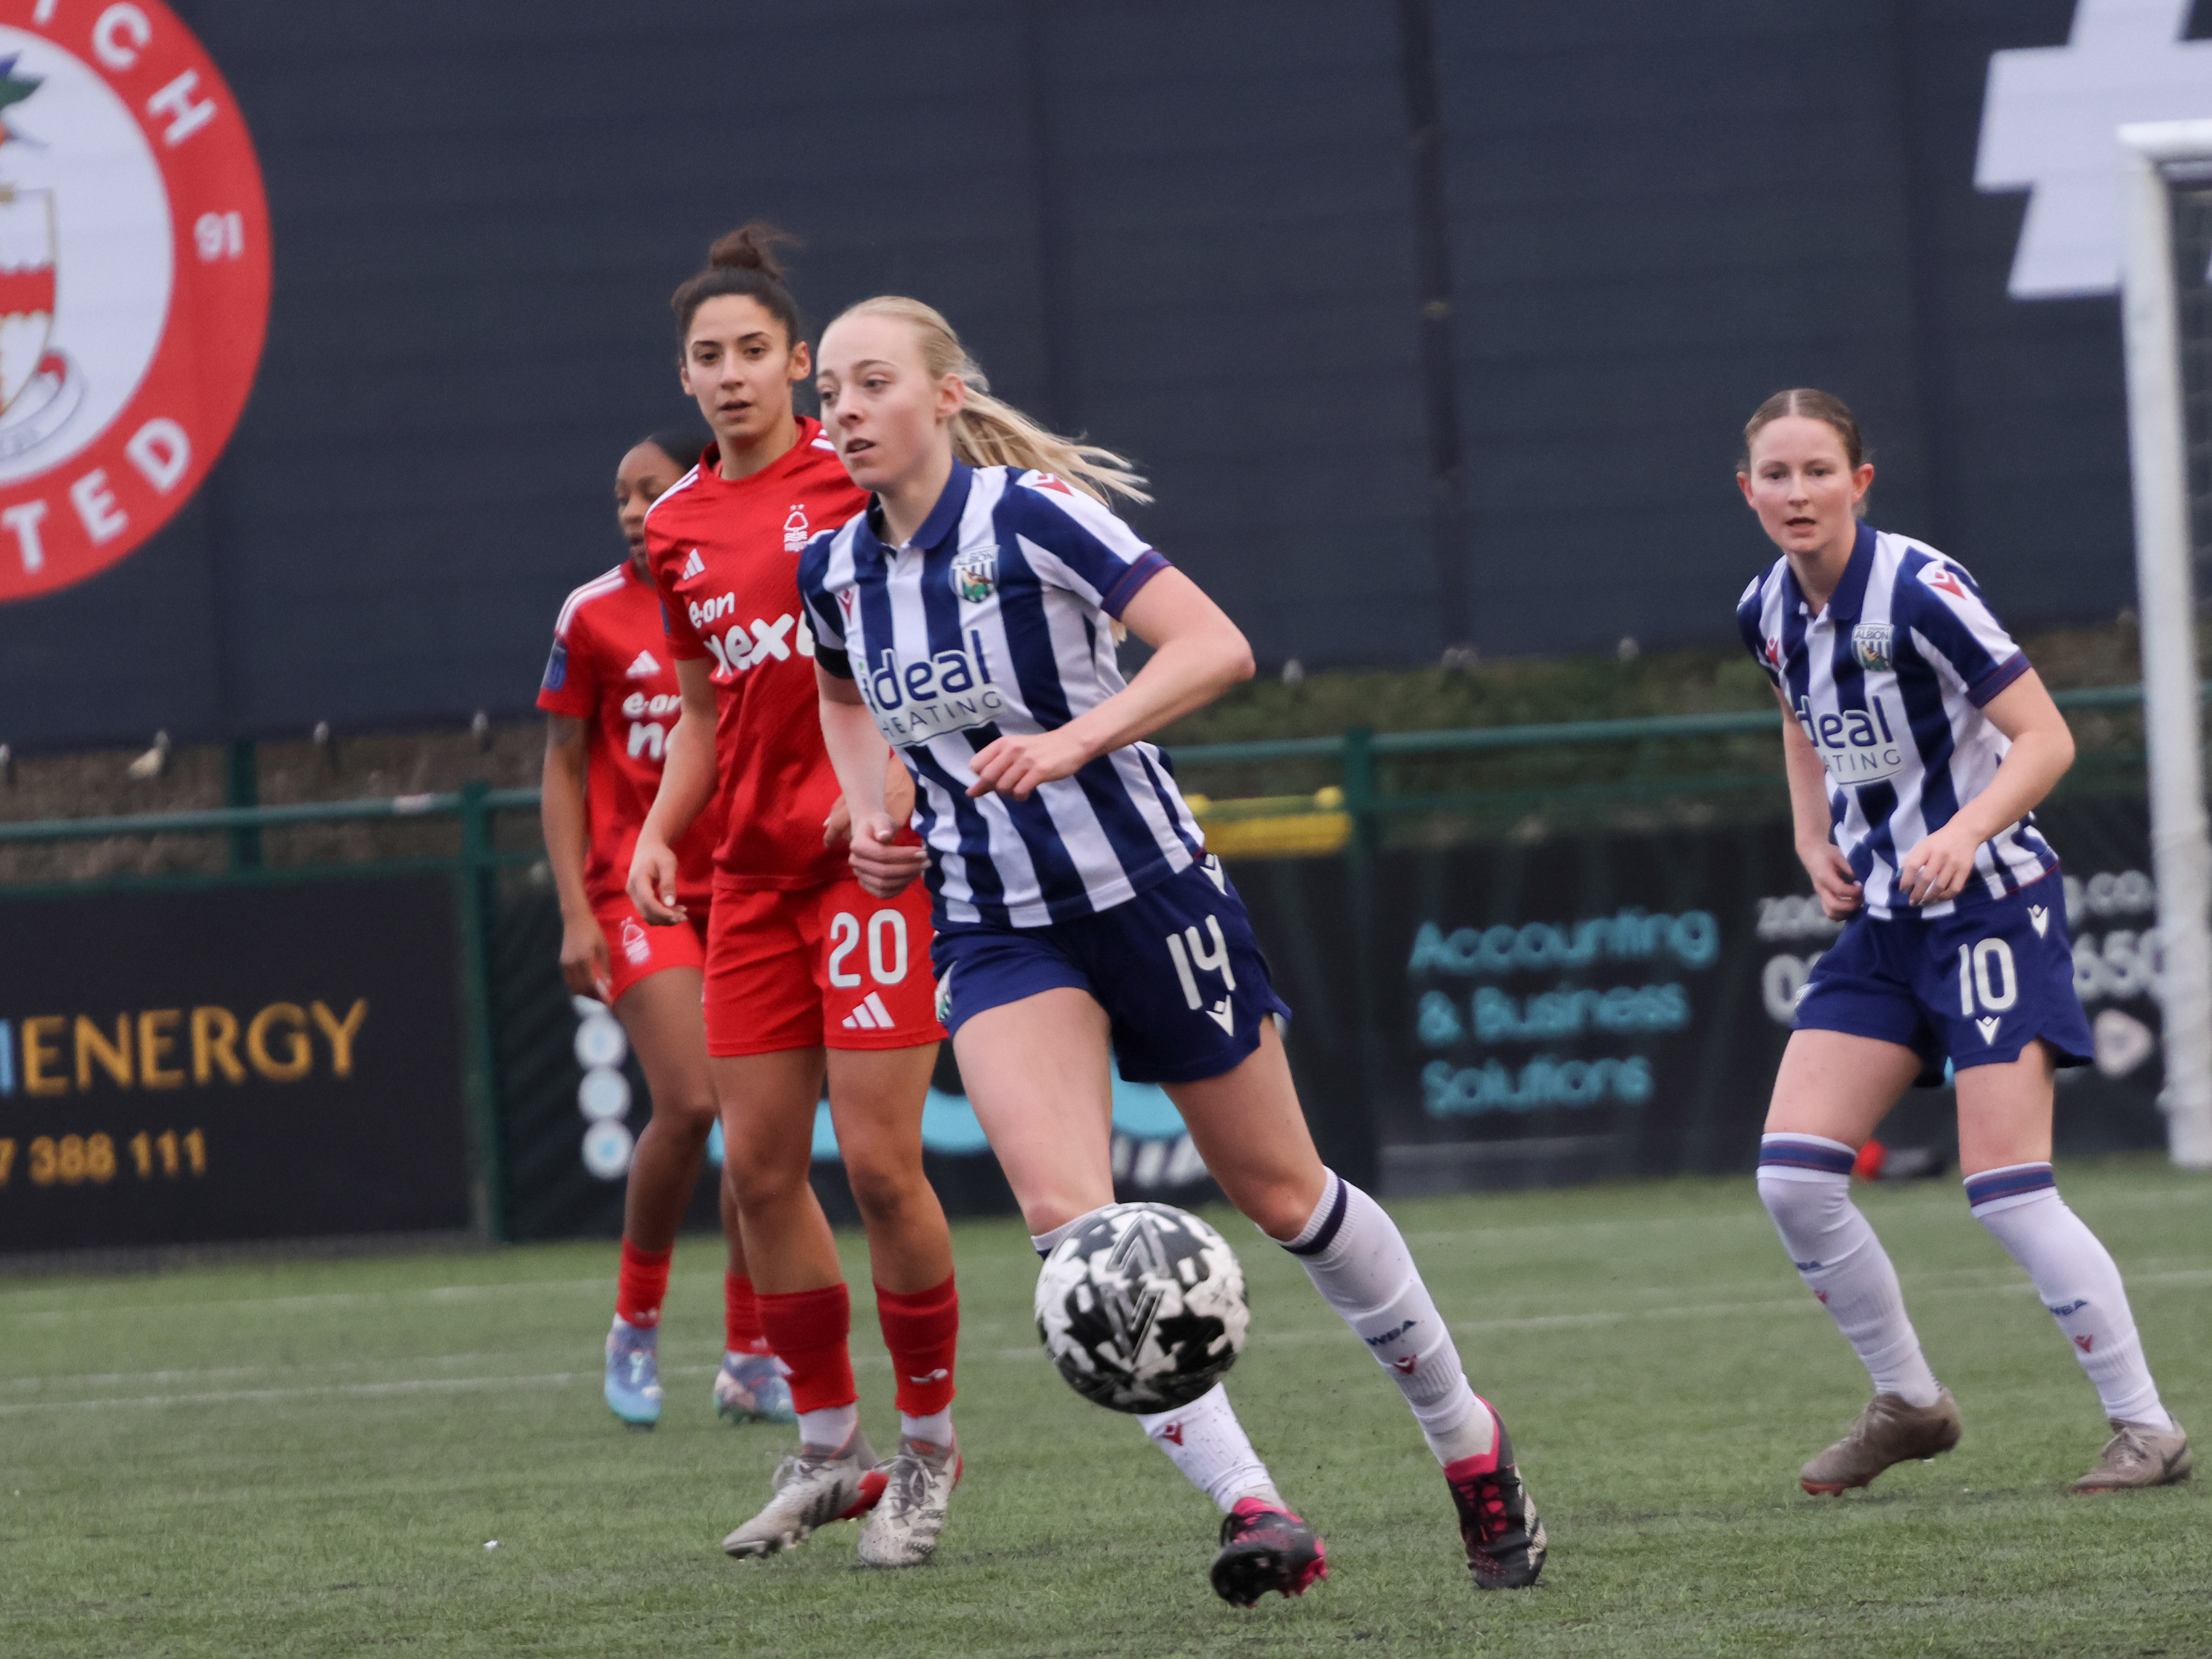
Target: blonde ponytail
pixel 989 432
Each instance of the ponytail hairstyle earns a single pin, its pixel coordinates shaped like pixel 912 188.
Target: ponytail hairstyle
pixel 742 262
pixel 989 432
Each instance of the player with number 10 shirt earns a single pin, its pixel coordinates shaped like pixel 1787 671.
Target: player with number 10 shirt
pixel 1918 743
pixel 807 977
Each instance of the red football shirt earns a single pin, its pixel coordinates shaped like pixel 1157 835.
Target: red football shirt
pixel 726 558
pixel 611 666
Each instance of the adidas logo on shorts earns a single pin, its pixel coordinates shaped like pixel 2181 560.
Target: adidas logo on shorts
pixel 870 1016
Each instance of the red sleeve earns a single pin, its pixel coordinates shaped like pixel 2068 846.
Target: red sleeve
pixel 571 685
pixel 683 642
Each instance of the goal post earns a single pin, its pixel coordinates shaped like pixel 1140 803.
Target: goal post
pixel 2169 171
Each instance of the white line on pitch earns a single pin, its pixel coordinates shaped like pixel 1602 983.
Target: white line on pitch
pixel 2191 1277
pixel 328 1390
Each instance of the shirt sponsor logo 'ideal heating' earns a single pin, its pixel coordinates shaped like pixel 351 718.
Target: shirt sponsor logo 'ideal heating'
pixel 1857 746
pixel 948 691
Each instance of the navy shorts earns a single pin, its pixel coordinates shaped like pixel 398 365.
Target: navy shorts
pixel 1976 985
pixel 1176 969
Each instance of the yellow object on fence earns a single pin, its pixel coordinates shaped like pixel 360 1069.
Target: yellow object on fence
pixel 1275 826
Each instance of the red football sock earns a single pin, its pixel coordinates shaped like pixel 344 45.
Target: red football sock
pixel 923 1330
pixel 807 1330
pixel 641 1285
pixel 741 1317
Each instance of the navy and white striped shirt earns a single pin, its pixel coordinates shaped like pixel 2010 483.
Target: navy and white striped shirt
pixel 995 620
pixel 1889 682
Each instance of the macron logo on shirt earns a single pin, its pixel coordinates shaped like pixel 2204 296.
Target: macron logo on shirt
pixel 644 668
pixel 694 566
pixel 1941 580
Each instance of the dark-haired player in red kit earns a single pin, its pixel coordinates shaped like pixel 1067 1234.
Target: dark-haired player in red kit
pixel 807 976
pixel 610 697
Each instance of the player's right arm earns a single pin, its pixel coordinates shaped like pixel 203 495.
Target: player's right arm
pixel 687 784
pixel 1834 882
pixel 583 944
pixel 859 754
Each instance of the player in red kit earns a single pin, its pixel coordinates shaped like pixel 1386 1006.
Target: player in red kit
pixel 611 696
pixel 807 976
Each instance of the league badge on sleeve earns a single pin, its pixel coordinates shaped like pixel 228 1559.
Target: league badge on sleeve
pixel 1872 644
pixel 976 573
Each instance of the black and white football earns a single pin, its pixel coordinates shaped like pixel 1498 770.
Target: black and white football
pixel 1142 1308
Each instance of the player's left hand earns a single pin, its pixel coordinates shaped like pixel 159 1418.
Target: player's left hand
pixel 1938 867
pixel 837 828
pixel 1017 765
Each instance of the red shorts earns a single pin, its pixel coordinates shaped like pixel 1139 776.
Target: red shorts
pixel 636 950
pixel 819 967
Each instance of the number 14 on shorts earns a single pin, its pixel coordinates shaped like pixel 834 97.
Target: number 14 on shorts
pixel 1188 950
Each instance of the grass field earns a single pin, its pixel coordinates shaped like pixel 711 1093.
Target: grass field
pixel 308 1459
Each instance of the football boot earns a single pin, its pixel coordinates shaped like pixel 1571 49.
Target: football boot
pixel 750 1389
pixel 1505 1541
pixel 1889 1430
pixel 901 1530
pixel 2139 1455
pixel 820 1485
pixel 633 1382
pixel 1265 1548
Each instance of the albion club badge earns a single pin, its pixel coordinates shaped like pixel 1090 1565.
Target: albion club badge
pixel 1871 644
pixel 974 574
pixel 134 281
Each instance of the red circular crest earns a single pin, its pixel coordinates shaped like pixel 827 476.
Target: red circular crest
pixel 134 281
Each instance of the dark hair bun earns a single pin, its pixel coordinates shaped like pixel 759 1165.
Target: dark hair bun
pixel 751 247
pixel 685 448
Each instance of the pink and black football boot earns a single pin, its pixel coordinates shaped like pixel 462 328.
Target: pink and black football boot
pixel 1265 1549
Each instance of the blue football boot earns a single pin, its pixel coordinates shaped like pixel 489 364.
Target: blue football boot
pixel 750 1389
pixel 633 1387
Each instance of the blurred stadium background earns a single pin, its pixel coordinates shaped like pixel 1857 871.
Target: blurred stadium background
pixel 1434 325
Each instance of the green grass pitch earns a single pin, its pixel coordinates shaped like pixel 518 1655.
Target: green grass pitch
pixel 309 1457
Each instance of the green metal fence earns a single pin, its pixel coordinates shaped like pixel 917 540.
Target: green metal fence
pixel 1372 778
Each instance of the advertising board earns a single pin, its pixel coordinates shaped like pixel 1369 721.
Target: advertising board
pixel 279 1061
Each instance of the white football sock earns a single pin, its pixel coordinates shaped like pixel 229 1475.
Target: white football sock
pixel 1358 1261
pixel 936 1428
pixel 1805 1182
pixel 1208 1444
pixel 1045 1243
pixel 2075 1276
pixel 832 1426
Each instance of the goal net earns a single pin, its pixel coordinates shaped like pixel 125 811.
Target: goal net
pixel 2166 312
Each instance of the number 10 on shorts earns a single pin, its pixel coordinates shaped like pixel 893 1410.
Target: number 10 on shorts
pixel 1986 975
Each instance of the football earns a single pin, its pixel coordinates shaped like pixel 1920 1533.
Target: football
pixel 1142 1308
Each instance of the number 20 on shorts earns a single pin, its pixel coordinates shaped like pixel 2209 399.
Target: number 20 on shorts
pixel 887 947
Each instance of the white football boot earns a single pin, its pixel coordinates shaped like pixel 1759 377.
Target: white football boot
pixel 822 1484
pixel 901 1530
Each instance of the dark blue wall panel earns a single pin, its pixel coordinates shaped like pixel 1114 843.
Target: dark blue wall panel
pixel 1189 232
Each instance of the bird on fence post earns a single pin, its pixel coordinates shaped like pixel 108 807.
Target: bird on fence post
pixel 155 761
